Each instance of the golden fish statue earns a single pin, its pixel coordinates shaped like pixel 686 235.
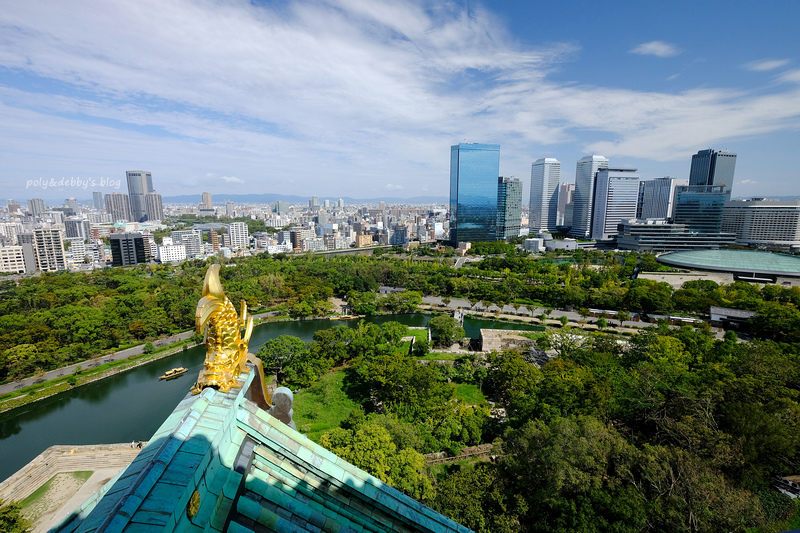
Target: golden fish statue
pixel 221 327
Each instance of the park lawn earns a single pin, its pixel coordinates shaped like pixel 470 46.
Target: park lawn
pixel 470 394
pixel 323 406
pixel 420 334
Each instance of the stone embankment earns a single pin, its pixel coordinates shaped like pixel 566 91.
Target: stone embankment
pixel 57 459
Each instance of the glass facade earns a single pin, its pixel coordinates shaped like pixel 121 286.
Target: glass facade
pixel 474 169
pixel 700 207
pixel 509 207
pixel 712 167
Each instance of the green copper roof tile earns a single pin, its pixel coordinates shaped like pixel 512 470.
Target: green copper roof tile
pixel 248 508
pixel 333 470
pixel 234 527
pixel 222 507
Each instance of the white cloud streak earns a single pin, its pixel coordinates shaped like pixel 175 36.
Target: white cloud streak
pixel 656 48
pixel 347 97
pixel 765 65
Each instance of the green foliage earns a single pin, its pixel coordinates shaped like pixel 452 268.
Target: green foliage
pixel 11 519
pixel 370 447
pixel 445 330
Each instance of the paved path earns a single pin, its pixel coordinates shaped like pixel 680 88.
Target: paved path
pixel 529 315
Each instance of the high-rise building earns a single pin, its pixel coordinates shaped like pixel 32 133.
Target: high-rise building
pixel 13 207
pixel 152 206
pixel 566 192
pixel 97 197
pixel 240 237
pixel 545 176
pixel 657 197
pixel 615 196
pixel 118 207
pixel 700 207
pixel 206 203
pixel 49 248
pixel 36 207
pixel 127 249
pixel 341 203
pixel 474 169
pixel 17 259
pixel 140 183
pixel 759 222
pixel 585 174
pixel 509 207
pixel 314 202
pixel 229 209
pixel 712 167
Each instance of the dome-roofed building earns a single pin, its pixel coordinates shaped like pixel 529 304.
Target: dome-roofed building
pixel 743 264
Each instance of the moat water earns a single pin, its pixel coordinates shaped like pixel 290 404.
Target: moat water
pixel 132 405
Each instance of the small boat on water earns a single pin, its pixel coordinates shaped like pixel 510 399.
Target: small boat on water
pixel 175 372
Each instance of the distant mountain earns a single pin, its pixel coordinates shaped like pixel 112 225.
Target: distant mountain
pixel 292 199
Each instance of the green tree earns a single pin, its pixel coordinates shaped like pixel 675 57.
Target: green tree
pixel 370 448
pixel 445 330
pixel 11 519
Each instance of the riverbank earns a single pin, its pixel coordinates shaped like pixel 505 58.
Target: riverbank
pixel 66 381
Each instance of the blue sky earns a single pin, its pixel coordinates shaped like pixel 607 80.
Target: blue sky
pixel 363 98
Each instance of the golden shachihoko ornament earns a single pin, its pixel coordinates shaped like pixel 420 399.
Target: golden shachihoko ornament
pixel 221 327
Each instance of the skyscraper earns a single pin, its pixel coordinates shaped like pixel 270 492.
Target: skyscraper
pixel 207 200
pixel 700 207
pixel 474 169
pixel 118 207
pixel 545 176
pixel 657 197
pixel 712 167
pixel 509 207
pixel 585 173
pixel 616 193
pixel 140 183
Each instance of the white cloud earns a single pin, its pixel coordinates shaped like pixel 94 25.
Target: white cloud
pixel 656 48
pixel 764 65
pixel 336 95
pixel 745 182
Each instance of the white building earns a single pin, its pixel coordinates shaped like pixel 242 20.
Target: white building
pixel 240 238
pixel 585 173
pixel 167 253
pixel 765 223
pixel 49 248
pixel 17 259
pixel 545 177
pixel 192 239
pixel 616 193
pixel 657 197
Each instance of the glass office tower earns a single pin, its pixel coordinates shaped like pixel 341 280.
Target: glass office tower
pixel 140 182
pixel 712 167
pixel 509 207
pixel 700 207
pixel 474 169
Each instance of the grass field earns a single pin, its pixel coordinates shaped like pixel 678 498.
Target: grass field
pixel 322 406
pixel 470 394
pixel 52 495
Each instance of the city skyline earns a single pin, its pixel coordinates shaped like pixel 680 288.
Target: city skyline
pixel 363 96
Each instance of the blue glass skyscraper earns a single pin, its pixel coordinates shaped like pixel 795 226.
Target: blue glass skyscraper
pixel 474 169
